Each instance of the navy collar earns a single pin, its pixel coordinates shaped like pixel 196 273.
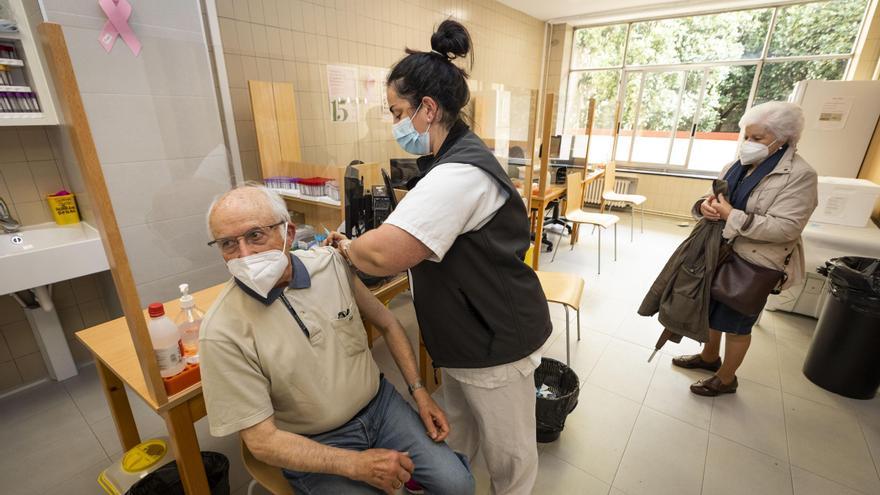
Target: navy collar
pixel 300 280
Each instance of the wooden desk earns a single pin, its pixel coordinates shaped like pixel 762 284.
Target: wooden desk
pixel 540 202
pixel 118 365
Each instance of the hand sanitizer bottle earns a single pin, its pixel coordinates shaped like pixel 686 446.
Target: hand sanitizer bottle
pixel 166 341
pixel 188 322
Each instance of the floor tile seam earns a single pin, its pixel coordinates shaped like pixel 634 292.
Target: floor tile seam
pixel 626 446
pixel 844 484
pixel 753 449
pixel 785 421
pixel 593 367
pixel 852 415
pixel 708 439
pixel 874 459
pixel 826 479
pixel 560 459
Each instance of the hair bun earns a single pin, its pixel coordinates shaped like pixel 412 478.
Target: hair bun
pixel 451 39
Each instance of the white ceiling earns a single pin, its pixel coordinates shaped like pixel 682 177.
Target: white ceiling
pixel 555 9
pixel 584 11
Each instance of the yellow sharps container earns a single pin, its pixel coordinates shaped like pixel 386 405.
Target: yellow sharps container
pixel 63 207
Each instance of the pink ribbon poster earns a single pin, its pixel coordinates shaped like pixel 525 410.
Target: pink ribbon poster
pixel 117 12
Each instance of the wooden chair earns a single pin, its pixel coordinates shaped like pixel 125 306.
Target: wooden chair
pixel 632 200
pixel 565 289
pixel 575 213
pixel 269 477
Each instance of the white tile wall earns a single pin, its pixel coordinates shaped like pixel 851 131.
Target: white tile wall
pixel 294 41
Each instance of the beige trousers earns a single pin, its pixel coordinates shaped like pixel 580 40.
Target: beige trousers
pixel 499 422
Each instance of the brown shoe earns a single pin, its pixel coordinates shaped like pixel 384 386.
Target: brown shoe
pixel 695 361
pixel 712 387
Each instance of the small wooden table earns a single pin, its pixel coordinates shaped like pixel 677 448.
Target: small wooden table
pixel 118 365
pixel 540 202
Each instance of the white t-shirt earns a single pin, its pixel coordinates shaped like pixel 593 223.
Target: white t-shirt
pixel 453 199
pixel 456 198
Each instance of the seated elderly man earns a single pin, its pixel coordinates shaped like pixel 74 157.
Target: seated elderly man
pixel 285 363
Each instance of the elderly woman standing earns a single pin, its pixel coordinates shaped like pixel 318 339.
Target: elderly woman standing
pixel 772 193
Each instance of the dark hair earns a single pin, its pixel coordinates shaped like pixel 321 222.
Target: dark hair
pixel 433 74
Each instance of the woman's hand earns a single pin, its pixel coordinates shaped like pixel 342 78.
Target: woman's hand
pixel 722 207
pixel 334 239
pixel 432 416
pixel 708 211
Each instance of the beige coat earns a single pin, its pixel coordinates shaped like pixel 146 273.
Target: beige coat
pixel 780 207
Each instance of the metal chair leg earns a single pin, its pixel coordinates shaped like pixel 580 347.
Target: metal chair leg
pixel 599 263
pixel 615 242
pixel 567 339
pixel 632 221
pixel 579 323
pixel 555 249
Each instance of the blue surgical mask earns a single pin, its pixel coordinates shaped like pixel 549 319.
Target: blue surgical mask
pixel 409 138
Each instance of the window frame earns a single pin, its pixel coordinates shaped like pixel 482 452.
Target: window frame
pixel 625 71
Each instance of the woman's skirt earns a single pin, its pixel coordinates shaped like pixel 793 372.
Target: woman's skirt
pixel 726 319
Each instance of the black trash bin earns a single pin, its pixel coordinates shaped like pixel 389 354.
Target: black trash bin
pixel 166 479
pixel 551 411
pixel 844 356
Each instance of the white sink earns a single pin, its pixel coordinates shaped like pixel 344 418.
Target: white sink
pixel 47 253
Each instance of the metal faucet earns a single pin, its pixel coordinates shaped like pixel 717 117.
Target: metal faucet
pixel 7 223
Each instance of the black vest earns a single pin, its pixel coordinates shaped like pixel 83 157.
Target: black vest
pixel 482 305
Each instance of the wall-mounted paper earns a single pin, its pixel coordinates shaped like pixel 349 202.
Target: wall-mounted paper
pixel 834 113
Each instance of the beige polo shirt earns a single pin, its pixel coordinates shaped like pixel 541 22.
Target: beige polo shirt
pixel 256 359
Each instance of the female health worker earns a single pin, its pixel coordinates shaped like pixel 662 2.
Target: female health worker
pixel 463 232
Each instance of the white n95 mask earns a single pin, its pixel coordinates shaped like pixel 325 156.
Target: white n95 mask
pixel 751 152
pixel 261 271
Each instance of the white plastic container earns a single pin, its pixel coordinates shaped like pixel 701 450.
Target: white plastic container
pixel 844 201
pixel 188 323
pixel 166 341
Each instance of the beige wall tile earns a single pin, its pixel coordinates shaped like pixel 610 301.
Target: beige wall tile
pixel 11 149
pixel 10 311
pixel 240 9
pixel 225 8
pixel 47 178
pixel 9 376
pixel 71 321
pixel 261 41
pixel 20 338
pixel 31 367
pixel 19 182
pixel 62 295
pixel 81 354
pixel 35 143
pixel 85 288
pixel 5 354
pixel 93 313
pixel 33 212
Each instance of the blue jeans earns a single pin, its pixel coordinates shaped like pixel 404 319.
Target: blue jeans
pixel 388 422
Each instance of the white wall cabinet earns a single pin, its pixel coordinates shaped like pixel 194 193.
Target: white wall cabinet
pixel 26 94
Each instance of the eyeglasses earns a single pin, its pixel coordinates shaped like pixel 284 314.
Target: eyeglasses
pixel 257 236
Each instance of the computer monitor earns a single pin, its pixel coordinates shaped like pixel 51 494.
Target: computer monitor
pixel 402 171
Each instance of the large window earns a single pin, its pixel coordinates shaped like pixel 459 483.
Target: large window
pixel 681 85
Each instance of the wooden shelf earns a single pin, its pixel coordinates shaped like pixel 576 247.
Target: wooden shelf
pixel 11 62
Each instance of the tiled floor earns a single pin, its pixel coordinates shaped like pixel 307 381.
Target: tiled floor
pixel 637 429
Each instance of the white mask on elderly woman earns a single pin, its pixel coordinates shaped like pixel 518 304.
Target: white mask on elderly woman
pixel 751 152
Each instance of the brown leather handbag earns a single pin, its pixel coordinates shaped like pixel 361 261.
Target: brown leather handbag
pixel 745 286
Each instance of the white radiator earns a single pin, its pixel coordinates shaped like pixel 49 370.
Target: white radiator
pixel 622 185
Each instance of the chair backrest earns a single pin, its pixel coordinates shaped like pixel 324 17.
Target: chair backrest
pixel 269 477
pixel 574 192
pixel 609 177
